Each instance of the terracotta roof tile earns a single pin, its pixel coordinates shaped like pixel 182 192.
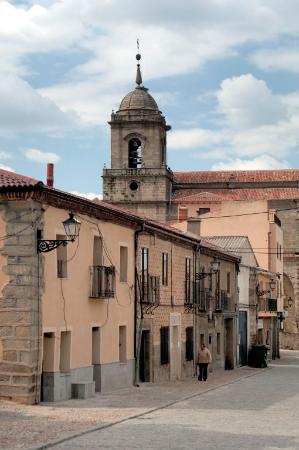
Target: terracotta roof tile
pixel 195 195
pixel 245 176
pixel 12 179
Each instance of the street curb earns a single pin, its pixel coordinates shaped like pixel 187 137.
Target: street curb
pixel 136 416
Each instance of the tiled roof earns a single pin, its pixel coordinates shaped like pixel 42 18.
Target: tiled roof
pixel 196 195
pixel 239 246
pixel 12 179
pixel 237 176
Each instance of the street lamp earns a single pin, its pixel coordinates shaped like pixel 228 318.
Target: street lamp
pixel 290 302
pixel 272 285
pixel 214 268
pixel 71 228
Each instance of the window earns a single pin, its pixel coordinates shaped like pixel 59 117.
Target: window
pixel 65 351
pixel 61 258
pixel 123 276
pixel 218 343
pixel 228 282
pixel 182 213
pixel 122 343
pixel 210 339
pixel 97 251
pixel 187 280
pixel 49 352
pixel 135 157
pixel 189 343
pixel 164 269
pixel 164 345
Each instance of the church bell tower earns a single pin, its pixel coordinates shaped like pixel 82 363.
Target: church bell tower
pixel 139 178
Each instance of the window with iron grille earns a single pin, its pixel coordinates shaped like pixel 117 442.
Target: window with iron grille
pixel 164 345
pixel 187 280
pixel 189 343
pixel 164 269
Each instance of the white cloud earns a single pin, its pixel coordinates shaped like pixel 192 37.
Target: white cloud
pixel 5 155
pixel 90 195
pixel 264 162
pixel 2 166
pixel 29 111
pixel 281 58
pixel 42 157
pixel 175 40
pixel 247 102
pixel 194 137
pixel 257 127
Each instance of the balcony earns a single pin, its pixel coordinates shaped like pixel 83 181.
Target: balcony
pixel 267 305
pixel 222 301
pixel 102 282
pixel 202 297
pixel 149 286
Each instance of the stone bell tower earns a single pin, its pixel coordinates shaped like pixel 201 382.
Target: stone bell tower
pixel 139 178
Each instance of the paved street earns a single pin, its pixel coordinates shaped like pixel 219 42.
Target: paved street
pixel 257 412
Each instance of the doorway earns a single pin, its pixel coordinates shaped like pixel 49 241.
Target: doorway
pixel 243 346
pixel 144 358
pixel 229 344
pixel 96 361
pixel 175 353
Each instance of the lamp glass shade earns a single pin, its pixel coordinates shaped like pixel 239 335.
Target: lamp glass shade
pixel 272 284
pixel 290 301
pixel 72 227
pixel 215 266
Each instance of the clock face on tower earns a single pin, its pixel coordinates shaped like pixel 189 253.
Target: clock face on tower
pixel 134 185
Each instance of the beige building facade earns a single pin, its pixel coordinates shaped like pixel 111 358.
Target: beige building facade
pixel 67 315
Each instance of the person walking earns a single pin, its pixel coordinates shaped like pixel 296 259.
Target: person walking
pixel 204 358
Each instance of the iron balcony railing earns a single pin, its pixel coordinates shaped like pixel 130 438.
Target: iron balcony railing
pixel 201 297
pixel 102 281
pixel 222 301
pixel 267 304
pixel 149 286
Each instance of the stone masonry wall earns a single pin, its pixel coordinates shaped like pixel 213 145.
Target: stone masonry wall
pixel 20 311
pixel 288 214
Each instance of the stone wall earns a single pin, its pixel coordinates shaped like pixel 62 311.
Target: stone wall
pixel 20 309
pixel 172 298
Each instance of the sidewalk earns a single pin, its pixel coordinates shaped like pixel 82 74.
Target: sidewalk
pixel 28 427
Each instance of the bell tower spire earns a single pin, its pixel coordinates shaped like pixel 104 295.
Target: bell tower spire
pixel 139 178
pixel 138 74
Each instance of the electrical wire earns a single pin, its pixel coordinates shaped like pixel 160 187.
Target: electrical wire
pixel 110 259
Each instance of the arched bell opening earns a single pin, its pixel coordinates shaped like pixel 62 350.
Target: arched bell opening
pixel 135 153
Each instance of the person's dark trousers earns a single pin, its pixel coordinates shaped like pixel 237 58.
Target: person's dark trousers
pixel 203 371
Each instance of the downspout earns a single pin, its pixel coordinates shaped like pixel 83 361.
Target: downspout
pixel 136 337
pixel 195 253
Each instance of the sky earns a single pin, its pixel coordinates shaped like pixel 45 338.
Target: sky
pixel 225 73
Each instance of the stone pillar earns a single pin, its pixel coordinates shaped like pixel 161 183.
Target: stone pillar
pixel 20 304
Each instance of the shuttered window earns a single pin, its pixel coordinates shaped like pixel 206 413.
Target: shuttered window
pixel 165 269
pixel 164 344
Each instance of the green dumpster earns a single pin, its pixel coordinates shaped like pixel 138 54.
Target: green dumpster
pixel 257 356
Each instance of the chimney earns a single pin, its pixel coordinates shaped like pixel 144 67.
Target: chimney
pixel 50 174
pixel 193 225
pixel 182 213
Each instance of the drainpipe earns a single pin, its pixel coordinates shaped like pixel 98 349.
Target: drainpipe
pixel 137 345
pixel 196 253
